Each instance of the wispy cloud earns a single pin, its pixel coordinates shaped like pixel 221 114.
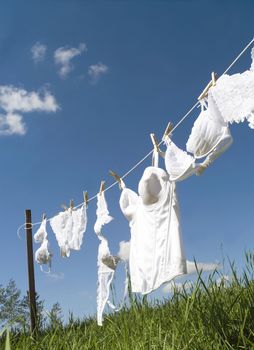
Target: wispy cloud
pixel 56 276
pixel 38 51
pixel 14 101
pixel 95 71
pixel 63 57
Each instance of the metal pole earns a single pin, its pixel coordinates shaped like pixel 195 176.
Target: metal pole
pixel 30 264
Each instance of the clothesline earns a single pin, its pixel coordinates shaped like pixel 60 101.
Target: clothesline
pixel 151 152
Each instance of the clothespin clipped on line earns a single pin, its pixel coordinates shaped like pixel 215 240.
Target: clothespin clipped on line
pixel 208 86
pixel 167 131
pixel 86 200
pixel 102 187
pixel 155 143
pixel 118 179
pixel 43 216
pixel 64 207
pixel 71 204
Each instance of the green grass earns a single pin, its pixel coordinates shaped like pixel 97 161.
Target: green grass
pixel 209 316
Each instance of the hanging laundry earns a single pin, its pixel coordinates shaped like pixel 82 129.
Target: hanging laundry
pixel 41 233
pixel 69 227
pixel 61 225
pixel 156 248
pixel 105 278
pixel 43 255
pixel 210 133
pixel 102 213
pixel 79 223
pixel 210 137
pixel 107 263
pixel 234 96
pixel 178 163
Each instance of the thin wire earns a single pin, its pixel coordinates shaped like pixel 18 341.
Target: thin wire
pixel 237 58
pixel 150 153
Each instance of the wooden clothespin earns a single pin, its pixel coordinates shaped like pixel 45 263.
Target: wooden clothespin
pixel 71 204
pixel 64 207
pixel 118 179
pixel 208 86
pixel 86 200
pixel 167 131
pixel 156 146
pixel 155 143
pixel 214 78
pixel 102 187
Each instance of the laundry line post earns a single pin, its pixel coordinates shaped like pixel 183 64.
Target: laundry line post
pixel 30 265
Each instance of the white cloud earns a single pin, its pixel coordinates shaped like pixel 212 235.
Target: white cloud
pixel 205 267
pixel 12 124
pixel 95 71
pixel 171 286
pixel 38 51
pixel 14 101
pixel 223 280
pixel 124 250
pixel 64 55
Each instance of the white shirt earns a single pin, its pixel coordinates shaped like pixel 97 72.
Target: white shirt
pixel 156 249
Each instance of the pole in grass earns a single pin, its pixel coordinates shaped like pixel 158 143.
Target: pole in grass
pixel 30 264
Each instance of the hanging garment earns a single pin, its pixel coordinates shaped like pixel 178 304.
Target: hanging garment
pixel 79 222
pixel 107 263
pixel 210 133
pixel 234 96
pixel 156 249
pixel 102 213
pixel 69 227
pixel 61 225
pixel 43 255
pixel 178 163
pixel 41 233
pixel 105 278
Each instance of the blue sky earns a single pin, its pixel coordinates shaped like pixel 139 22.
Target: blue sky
pixel 135 66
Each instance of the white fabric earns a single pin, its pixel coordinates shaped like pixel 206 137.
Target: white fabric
pixel 208 132
pixel 41 233
pixel 178 163
pixel 105 277
pixel 43 254
pixel 156 249
pixel 79 222
pixel 69 227
pixel 106 263
pixel 234 97
pixel 252 57
pixel 61 225
pixel 102 213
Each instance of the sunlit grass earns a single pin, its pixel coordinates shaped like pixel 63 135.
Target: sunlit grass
pixel 207 316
